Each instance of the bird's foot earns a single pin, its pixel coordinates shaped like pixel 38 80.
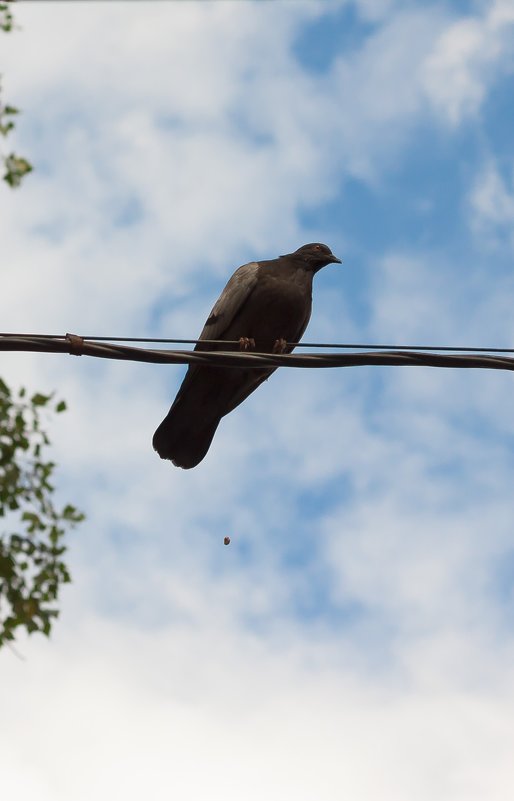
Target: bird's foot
pixel 280 345
pixel 246 343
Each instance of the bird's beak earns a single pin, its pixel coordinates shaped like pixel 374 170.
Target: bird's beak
pixel 335 260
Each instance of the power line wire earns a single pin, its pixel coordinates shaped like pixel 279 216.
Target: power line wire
pixel 76 345
pixel 333 345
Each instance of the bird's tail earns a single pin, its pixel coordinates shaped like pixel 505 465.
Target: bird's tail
pixel 184 439
pixel 186 433
pixel 206 395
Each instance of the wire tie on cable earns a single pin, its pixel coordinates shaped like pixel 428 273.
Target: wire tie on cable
pixel 76 344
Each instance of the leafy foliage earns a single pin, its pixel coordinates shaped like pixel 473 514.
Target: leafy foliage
pixel 6 18
pixel 32 569
pixel 16 167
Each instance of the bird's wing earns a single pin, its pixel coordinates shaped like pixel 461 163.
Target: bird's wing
pixel 231 300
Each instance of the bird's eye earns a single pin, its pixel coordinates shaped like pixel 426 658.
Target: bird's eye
pixel 317 247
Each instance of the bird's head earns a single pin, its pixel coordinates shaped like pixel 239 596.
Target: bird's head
pixel 316 256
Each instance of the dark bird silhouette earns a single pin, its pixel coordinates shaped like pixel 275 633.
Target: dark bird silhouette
pixel 265 304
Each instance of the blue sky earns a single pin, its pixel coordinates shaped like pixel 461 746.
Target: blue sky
pixel 356 638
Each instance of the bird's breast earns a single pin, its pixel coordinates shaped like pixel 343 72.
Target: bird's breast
pixel 277 309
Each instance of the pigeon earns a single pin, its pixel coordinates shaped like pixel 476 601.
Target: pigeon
pixel 265 306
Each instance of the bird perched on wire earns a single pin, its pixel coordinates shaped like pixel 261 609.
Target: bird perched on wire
pixel 265 305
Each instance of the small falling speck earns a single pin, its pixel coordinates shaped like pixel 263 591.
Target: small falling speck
pixel 226 541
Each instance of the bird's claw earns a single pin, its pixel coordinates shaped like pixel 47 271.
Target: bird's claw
pixel 246 343
pixel 280 345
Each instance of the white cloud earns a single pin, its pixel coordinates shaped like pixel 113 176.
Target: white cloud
pixel 208 712
pixel 181 666
pixel 378 92
pixel 467 58
pixel 491 201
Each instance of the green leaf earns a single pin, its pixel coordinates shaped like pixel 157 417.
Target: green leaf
pixel 6 566
pixel 6 19
pixel 6 127
pixel 40 400
pixel 34 521
pixel 32 570
pixel 16 168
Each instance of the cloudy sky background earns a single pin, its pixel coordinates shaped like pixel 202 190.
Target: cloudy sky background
pixel 356 639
